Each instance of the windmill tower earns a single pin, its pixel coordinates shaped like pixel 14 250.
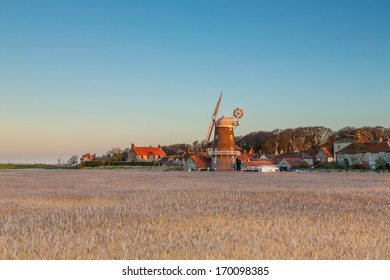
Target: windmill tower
pixel 222 153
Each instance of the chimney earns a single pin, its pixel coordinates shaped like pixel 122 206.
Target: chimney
pixel 159 146
pixel 132 145
pixel 188 149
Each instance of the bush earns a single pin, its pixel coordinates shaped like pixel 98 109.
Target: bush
pixel 360 166
pixel 380 163
pixel 80 165
pixel 94 163
pixel 327 165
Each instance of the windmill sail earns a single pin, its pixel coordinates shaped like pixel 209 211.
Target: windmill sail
pixel 215 115
pixel 213 120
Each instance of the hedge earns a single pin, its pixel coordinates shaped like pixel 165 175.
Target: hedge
pixel 97 163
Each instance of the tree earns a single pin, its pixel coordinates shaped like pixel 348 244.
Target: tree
pixel 320 136
pixel 299 139
pixel 196 144
pixel 125 154
pixel 73 160
pixel 115 154
pixel 346 132
pixel 285 141
pixel 363 134
pixel 376 132
pixel 269 146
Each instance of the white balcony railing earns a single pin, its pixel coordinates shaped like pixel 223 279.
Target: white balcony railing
pixel 224 153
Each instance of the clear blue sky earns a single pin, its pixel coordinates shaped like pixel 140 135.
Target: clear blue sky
pixel 86 76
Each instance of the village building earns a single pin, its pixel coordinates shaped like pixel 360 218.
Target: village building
pixel 328 154
pixel 364 153
pixel 88 157
pixel 197 163
pixel 287 164
pixel 310 157
pixel 297 155
pixel 318 156
pixel 145 154
pixel 174 150
pixel 242 158
pixel 175 160
pixel 340 144
pixel 268 156
pixel 259 165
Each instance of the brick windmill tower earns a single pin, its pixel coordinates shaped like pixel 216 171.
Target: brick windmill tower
pixel 222 153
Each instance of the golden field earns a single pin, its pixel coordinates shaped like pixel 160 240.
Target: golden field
pixel 141 214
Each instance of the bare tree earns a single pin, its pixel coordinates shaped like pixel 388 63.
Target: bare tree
pixel 125 154
pixel 115 154
pixel 196 144
pixel 346 132
pixel 73 160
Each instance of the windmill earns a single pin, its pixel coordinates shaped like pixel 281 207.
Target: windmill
pixel 223 153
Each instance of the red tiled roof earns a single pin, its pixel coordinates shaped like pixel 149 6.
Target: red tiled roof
pixel 270 156
pixel 370 147
pixel 88 156
pixel 202 154
pixel 259 162
pixel 244 158
pixel 311 153
pixel 201 161
pixel 146 151
pixel 326 151
pixel 297 155
pixel 171 158
pixel 295 161
pixel 251 156
pixel 237 148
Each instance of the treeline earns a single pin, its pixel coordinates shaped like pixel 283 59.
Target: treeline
pixel 306 138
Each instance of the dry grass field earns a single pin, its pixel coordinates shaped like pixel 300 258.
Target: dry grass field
pixel 139 214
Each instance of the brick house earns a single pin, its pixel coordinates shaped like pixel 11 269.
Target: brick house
pixel 88 157
pixel 146 154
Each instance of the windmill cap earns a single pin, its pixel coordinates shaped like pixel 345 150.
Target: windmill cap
pixel 225 121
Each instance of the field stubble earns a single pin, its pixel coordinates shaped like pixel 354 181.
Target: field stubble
pixel 130 214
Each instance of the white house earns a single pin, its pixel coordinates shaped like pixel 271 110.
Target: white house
pixel 364 153
pixel 260 165
pixel 340 144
